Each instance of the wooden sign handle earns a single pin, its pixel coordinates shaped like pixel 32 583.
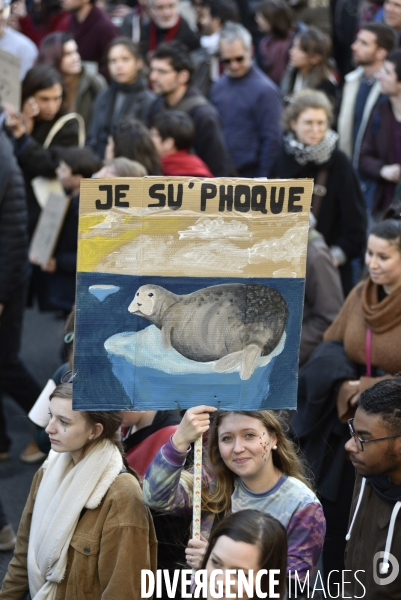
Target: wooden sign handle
pixel 196 513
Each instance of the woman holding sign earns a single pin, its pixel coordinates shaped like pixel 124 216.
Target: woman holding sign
pixel 251 464
pixel 84 533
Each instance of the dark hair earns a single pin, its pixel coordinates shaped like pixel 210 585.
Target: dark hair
pixel 384 399
pixel 128 43
pixel 177 125
pixel 82 161
pixel 40 77
pixel 260 529
pixel 177 55
pixel 51 49
pixel 279 15
pixel 314 41
pixel 110 420
pixel 132 140
pixel 389 230
pixel 385 35
pixel 225 10
pixel 395 58
pixel 41 11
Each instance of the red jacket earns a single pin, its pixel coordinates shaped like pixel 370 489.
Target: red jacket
pixel 184 163
pixel 57 22
pixel 140 456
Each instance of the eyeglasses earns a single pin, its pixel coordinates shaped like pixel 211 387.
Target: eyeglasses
pixel 228 61
pixel 360 441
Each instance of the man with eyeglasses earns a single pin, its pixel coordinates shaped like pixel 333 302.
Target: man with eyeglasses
pixel 249 105
pixel 374 536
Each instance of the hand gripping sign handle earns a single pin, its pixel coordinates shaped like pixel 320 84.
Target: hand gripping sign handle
pixel 196 514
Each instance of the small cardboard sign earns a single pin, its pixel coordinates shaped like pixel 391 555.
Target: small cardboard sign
pixel 190 291
pixel 48 228
pixel 10 87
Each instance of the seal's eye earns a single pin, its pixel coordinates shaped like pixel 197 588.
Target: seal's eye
pixel 150 295
pixel 137 293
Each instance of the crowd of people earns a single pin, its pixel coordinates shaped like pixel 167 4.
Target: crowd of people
pixel 211 88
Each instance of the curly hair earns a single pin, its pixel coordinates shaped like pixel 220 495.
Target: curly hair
pixel 384 399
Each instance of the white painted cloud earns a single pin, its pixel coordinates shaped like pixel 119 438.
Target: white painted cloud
pixel 206 255
pixel 213 229
pixel 278 249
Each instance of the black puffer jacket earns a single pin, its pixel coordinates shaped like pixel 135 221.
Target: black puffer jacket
pixel 342 216
pixel 14 266
pixel 136 103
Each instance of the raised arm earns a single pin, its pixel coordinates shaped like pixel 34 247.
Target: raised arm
pixel 165 487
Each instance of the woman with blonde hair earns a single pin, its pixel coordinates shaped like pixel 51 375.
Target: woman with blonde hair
pixel 85 533
pixel 250 464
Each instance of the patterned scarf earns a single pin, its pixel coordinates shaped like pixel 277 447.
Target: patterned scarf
pixel 319 153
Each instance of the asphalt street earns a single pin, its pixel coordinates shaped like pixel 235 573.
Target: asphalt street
pixel 41 351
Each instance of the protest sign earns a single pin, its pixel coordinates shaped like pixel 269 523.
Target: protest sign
pixel 10 87
pixel 190 291
pixel 48 229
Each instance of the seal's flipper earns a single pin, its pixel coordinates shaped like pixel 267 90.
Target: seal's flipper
pixel 229 362
pixel 250 357
pixel 166 336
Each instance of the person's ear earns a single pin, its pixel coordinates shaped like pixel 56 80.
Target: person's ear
pixel 96 432
pixel 183 77
pixel 139 63
pixel 381 54
pixel 315 59
pixel 77 180
pixel 293 124
pixel 169 144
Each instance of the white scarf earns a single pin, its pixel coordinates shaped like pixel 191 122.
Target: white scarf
pixel 63 492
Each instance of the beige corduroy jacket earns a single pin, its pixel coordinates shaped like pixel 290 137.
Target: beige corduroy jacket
pixel 110 547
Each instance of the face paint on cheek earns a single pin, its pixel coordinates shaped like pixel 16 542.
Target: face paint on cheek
pixel 264 445
pixel 65 429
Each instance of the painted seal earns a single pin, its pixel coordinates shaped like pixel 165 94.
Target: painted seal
pixel 232 324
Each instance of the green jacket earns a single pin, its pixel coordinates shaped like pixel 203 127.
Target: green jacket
pixel 88 88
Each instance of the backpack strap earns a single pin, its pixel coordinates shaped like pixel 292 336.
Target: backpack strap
pixel 319 191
